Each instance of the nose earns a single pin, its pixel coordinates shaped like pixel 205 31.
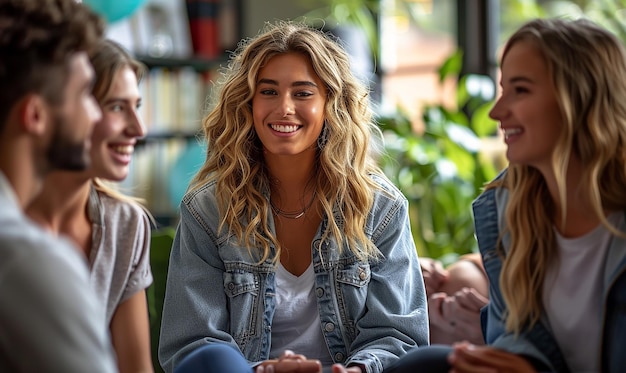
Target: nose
pixel 94 111
pixel 498 110
pixel 286 106
pixel 134 124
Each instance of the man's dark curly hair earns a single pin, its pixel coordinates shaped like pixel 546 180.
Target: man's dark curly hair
pixel 37 40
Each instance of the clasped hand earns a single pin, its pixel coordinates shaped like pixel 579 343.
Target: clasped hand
pixel 290 362
pixel 469 358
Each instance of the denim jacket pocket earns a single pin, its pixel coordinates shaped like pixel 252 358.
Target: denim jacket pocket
pixel 352 285
pixel 356 274
pixel 242 289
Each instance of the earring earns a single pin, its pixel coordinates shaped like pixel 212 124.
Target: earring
pixel 323 137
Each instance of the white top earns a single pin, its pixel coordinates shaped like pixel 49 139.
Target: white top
pixel 50 319
pixel 572 296
pixel 296 325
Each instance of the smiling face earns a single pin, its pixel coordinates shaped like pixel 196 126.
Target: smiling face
pixel 528 111
pixel 288 105
pixel 114 137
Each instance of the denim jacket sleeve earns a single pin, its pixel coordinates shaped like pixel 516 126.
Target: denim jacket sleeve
pixel 395 318
pixel 194 287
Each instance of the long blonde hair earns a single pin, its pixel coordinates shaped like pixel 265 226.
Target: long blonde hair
pixel 235 160
pixel 587 65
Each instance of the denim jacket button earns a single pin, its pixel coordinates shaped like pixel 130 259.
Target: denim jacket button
pixel 362 274
pixel 319 292
pixel 329 327
pixel 231 286
pixel 339 357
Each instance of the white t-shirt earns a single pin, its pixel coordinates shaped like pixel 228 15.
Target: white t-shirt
pixel 572 296
pixel 296 325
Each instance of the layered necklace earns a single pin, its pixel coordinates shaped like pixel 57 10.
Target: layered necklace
pixel 293 214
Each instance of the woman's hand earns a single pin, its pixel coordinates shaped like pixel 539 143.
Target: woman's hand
pixel 434 274
pixel 290 362
pixel 458 315
pixel 339 368
pixel 469 358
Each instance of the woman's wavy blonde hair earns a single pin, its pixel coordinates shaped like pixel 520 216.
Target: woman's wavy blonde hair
pixel 587 65
pixel 235 155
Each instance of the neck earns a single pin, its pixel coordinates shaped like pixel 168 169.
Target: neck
pixel 292 191
pixel 579 215
pixel 291 174
pixel 62 202
pixel 18 164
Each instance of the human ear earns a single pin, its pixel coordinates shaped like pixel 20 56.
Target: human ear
pixel 34 114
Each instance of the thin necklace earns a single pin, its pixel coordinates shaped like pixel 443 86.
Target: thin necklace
pixel 293 214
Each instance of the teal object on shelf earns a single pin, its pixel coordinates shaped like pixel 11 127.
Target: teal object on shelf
pixel 183 170
pixel 114 10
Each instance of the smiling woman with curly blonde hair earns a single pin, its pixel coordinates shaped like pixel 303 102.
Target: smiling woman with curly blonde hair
pixel 291 238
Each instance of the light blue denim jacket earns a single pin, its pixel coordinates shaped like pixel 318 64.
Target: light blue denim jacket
pixel 539 343
pixel 371 312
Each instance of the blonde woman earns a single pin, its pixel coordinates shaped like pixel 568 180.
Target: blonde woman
pixel 294 251
pixel 552 228
pixel 111 230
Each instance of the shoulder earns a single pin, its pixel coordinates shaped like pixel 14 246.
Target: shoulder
pixel 202 198
pixel 121 211
pixel 29 252
pixel 121 207
pixel 492 202
pixel 386 190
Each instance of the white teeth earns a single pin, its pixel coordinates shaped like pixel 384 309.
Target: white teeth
pixel 123 149
pixel 511 131
pixel 285 129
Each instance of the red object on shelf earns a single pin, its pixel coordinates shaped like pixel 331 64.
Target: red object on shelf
pixel 204 27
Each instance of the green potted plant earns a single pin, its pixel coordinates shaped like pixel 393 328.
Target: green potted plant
pixel 358 14
pixel 441 170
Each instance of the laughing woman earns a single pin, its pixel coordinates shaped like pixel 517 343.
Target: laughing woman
pixel 552 228
pixel 110 229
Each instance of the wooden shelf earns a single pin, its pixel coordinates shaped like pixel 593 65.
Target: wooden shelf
pixel 197 63
pixel 167 135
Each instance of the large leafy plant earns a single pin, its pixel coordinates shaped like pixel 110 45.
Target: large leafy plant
pixel 442 169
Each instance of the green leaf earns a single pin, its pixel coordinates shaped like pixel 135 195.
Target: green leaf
pixel 481 123
pixel 451 66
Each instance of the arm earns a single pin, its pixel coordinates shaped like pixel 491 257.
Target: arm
pixel 467 358
pixel 129 236
pixel 396 318
pixel 434 274
pixel 454 312
pixel 130 333
pixel 194 308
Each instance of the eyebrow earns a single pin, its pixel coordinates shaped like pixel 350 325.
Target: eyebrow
pixel 118 100
pixel 521 79
pixel 294 84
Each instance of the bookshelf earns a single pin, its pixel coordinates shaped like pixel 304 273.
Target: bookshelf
pixel 175 94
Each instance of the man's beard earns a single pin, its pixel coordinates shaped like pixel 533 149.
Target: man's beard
pixel 64 153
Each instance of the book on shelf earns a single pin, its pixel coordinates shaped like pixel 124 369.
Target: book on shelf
pixel 204 27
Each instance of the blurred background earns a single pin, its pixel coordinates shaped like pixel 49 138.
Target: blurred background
pixel 432 67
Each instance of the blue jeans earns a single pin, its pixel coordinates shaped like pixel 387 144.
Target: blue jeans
pixel 214 358
pixel 427 359
pixel 219 358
